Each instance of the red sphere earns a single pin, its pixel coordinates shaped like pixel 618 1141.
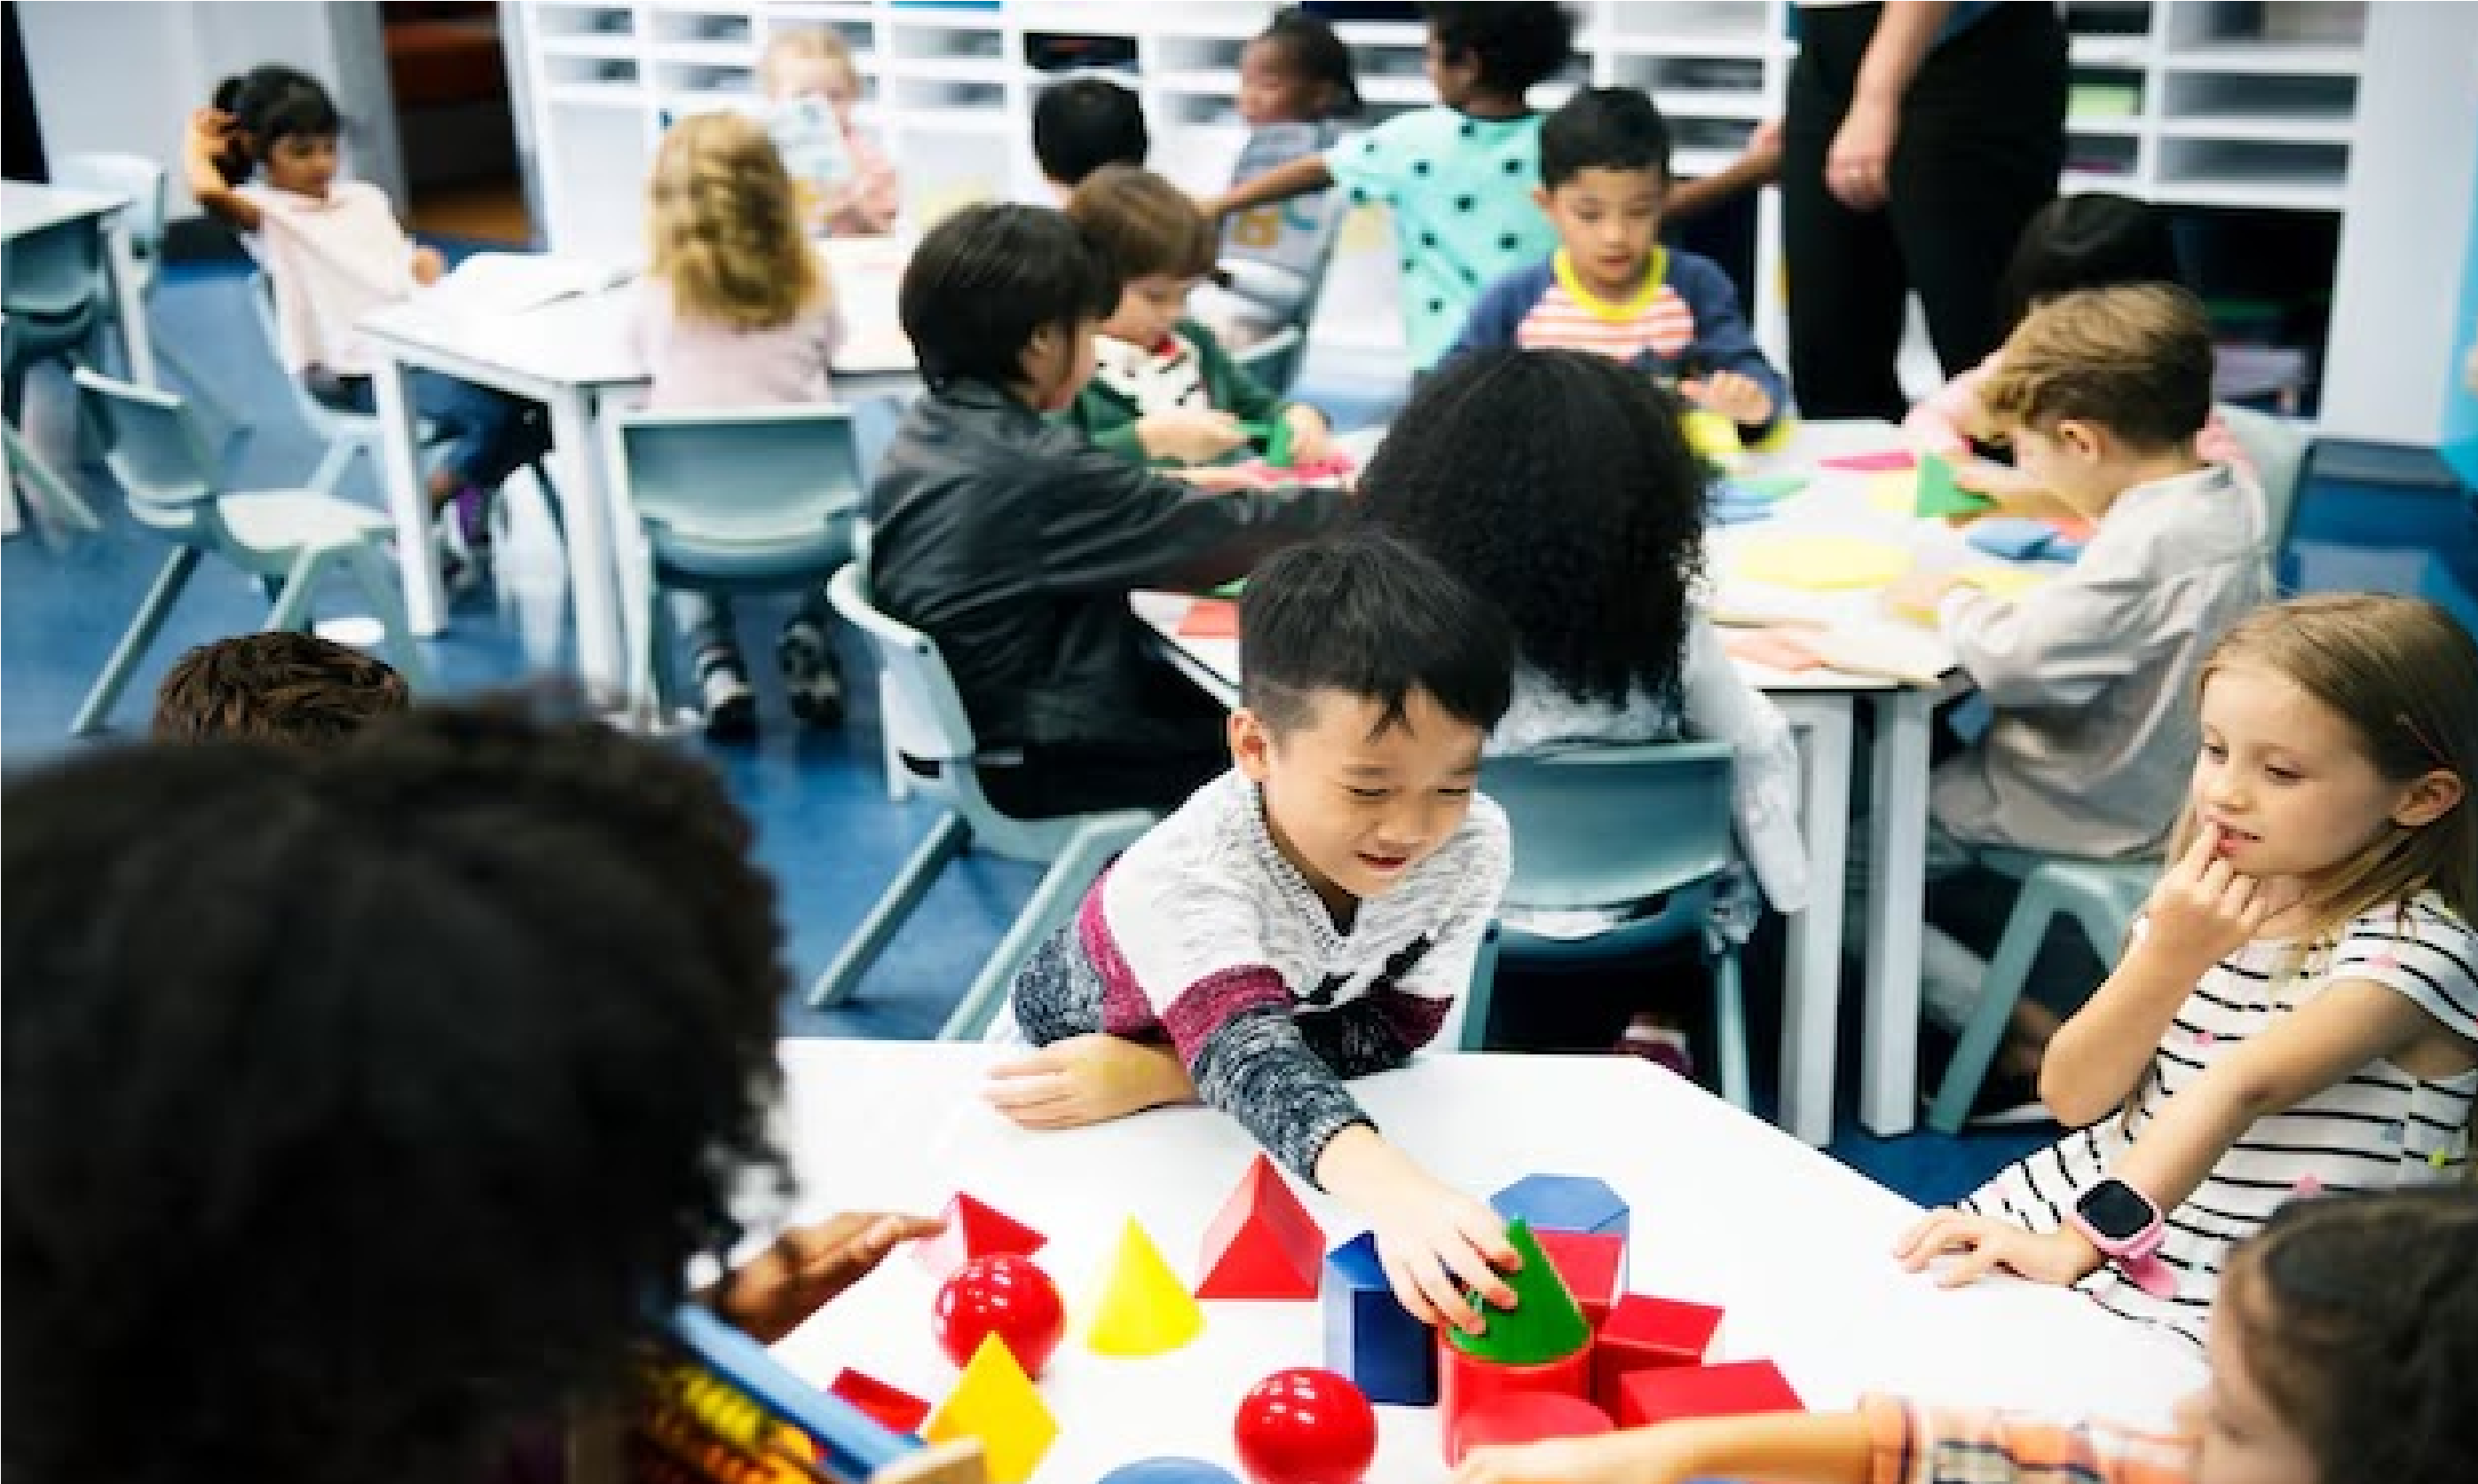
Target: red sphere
pixel 1306 1427
pixel 1005 1296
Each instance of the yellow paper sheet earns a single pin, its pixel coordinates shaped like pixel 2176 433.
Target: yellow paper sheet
pixel 2005 582
pixel 1821 564
pixel 1893 492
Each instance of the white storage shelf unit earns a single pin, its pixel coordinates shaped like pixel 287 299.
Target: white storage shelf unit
pixel 2196 102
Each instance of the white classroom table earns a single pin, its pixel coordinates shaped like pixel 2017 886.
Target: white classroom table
pixel 1726 1210
pixel 26 208
pixel 575 355
pixel 1822 706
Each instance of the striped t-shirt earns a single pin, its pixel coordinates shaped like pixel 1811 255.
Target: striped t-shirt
pixel 1912 1443
pixel 2378 1129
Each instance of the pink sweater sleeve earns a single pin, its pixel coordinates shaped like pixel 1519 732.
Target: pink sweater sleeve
pixel 1942 421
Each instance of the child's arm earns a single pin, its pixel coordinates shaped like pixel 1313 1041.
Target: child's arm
pixel 2058 646
pixel 1740 384
pixel 2200 912
pixel 1758 164
pixel 210 135
pixel 1292 178
pixel 1111 526
pixel 1946 420
pixel 774 1293
pixel 1791 1448
pixel 1497 314
pixel 865 205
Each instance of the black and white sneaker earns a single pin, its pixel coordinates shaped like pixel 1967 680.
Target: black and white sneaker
pixel 730 705
pixel 813 680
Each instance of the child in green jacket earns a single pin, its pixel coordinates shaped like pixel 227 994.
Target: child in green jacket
pixel 1164 391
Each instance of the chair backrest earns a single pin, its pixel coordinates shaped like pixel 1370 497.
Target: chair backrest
pixel 739 477
pixel 2278 453
pixel 926 721
pixel 134 176
pixel 328 422
pixel 1274 361
pixel 154 449
pixel 1604 826
pixel 717 1404
pixel 55 273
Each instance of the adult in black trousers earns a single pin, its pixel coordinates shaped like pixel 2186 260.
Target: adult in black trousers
pixel 1918 141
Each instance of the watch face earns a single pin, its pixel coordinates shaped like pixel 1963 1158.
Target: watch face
pixel 2115 1210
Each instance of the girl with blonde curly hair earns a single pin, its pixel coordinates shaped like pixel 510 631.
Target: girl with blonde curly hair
pixel 738 312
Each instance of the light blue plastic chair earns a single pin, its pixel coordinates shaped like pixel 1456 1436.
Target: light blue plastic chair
pixel 152 446
pixel 53 298
pixel 705 1369
pixel 143 181
pixel 2278 452
pixel 737 501
pixel 1641 827
pixel 1277 360
pixel 935 738
pixel 2102 897
pixel 1274 361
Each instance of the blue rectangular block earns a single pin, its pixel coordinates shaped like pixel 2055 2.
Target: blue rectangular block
pixel 1565 1203
pixel 1369 1336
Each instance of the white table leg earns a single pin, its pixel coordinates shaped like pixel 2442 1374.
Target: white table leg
pixel 1812 976
pixel 425 602
pixel 593 571
pixel 1897 850
pixel 129 307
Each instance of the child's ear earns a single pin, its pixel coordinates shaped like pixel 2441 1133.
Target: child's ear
pixel 2429 799
pixel 1252 744
pixel 2082 440
pixel 1540 197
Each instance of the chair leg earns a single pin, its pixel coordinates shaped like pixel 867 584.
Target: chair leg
pixel 52 500
pixel 142 629
pixel 2034 912
pixel 1481 997
pixel 946 839
pixel 372 573
pixel 337 462
pixel 1053 904
pixel 291 610
pixel 1729 1028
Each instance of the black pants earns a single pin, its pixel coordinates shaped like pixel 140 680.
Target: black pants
pixel 1981 141
pixel 1175 742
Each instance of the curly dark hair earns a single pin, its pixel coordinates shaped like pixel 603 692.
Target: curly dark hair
pixel 1518 46
pixel 281 686
pixel 1557 483
pixel 2358 1317
pixel 361 1104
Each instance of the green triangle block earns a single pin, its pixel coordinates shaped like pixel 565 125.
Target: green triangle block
pixel 1938 495
pixel 1545 1323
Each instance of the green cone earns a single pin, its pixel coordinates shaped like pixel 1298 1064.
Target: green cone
pixel 1543 1325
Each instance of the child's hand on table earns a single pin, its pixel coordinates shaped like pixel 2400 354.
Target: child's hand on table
pixel 1983 1243
pixel 1311 439
pixel 1740 398
pixel 1189 435
pixel 809 1267
pixel 1088 1079
pixel 2008 487
pixel 1436 1244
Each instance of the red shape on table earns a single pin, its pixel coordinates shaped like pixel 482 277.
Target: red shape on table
pixel 1525 1416
pixel 1738 1388
pixel 1004 1296
pixel 1263 1244
pixel 1467 1384
pixel 892 1406
pixel 1643 1333
pixel 1882 460
pixel 1210 617
pixel 1306 1427
pixel 974 1229
pixel 1593 1264
pixel 1781 649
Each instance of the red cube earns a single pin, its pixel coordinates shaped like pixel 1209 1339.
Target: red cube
pixel 1593 1265
pixel 1738 1389
pixel 1643 1333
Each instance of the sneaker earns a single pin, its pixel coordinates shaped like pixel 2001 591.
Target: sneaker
pixel 1662 1046
pixel 730 704
pixel 464 565
pixel 813 680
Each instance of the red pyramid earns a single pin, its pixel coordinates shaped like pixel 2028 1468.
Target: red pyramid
pixel 1263 1244
pixel 974 1229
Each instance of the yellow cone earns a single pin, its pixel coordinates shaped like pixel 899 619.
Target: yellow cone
pixel 995 1402
pixel 1145 1310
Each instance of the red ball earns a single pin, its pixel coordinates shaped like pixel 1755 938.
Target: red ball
pixel 1000 1295
pixel 1306 1427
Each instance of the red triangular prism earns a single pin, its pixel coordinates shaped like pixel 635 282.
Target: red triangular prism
pixel 892 1406
pixel 1263 1243
pixel 975 1230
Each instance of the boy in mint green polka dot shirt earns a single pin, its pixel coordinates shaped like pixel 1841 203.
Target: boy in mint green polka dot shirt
pixel 1458 176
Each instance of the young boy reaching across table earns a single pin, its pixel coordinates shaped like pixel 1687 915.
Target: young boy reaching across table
pixel 1311 916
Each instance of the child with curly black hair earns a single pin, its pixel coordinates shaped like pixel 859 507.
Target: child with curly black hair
pixel 1458 176
pixel 1583 457
pixel 2340 1353
pixel 362 1104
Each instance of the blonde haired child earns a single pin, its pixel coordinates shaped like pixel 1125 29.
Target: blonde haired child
pixel 736 312
pixel 2298 1010
pixel 847 185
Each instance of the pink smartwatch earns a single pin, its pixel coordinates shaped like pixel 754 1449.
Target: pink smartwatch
pixel 2126 1227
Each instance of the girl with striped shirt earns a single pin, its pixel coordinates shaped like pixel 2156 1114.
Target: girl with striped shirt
pixel 2297 1009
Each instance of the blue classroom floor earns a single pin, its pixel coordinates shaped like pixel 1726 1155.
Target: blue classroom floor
pixel 825 827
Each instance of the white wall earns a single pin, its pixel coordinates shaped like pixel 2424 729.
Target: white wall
pixel 124 75
pixel 2413 174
